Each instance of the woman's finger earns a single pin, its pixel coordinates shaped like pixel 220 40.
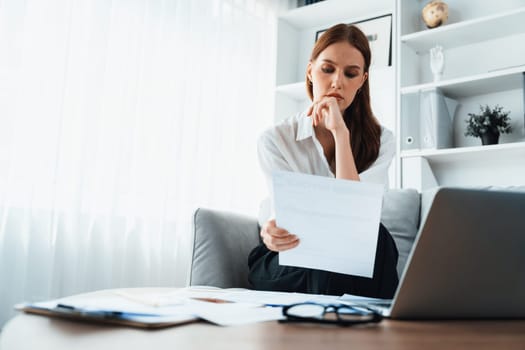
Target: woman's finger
pixel 310 109
pixel 282 240
pixel 314 114
pixel 318 113
pixel 287 246
pixel 272 229
pixel 276 238
pixel 277 232
pixel 268 242
pixel 320 109
pixel 280 245
pixel 267 225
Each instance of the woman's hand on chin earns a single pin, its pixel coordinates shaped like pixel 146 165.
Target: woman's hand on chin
pixel 325 112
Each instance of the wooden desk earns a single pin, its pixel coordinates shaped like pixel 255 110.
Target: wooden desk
pixel 38 332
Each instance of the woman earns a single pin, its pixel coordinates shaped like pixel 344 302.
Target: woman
pixel 339 137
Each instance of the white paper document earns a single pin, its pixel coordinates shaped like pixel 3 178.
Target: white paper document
pixel 337 222
pixel 234 314
pixel 248 297
pixel 351 299
pixel 142 308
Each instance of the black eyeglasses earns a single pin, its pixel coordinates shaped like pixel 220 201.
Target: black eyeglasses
pixel 343 315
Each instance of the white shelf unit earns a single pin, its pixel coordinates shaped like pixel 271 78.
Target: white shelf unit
pixel 479 84
pixel 460 155
pixel 484 64
pixel 470 31
pixel 466 166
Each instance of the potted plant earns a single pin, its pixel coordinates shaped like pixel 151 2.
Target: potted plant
pixel 489 124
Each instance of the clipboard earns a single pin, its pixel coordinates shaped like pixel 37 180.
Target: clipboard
pixel 137 320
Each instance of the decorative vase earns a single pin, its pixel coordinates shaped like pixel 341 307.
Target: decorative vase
pixel 435 13
pixel 489 138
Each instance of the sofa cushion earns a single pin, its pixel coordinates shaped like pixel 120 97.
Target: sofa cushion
pixel 221 244
pixel 400 215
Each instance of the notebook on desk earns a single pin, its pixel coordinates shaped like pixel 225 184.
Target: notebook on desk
pixel 468 259
pixel 140 320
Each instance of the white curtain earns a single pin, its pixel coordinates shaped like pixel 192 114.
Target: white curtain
pixel 117 119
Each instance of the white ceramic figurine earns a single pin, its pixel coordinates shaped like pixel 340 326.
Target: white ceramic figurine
pixel 437 62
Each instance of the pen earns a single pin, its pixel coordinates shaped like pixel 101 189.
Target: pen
pixel 64 306
pixel 104 313
pixel 212 300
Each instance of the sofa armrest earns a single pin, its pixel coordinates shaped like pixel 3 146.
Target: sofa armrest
pixel 222 242
pixel 401 216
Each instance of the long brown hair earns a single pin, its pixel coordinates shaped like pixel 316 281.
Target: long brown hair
pixel 365 131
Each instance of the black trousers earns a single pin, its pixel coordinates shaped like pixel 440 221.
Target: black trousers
pixel 266 274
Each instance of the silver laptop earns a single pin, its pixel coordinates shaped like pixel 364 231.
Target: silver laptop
pixel 468 259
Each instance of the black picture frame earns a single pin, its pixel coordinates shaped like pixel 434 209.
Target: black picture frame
pixel 378 30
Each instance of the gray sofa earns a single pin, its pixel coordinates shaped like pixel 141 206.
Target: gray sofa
pixel 222 241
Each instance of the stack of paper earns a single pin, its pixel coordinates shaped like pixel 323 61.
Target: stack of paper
pixel 153 310
pixel 169 307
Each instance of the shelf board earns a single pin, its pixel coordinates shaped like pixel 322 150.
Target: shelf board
pixel 297 91
pixel 468 32
pixel 509 151
pixel 330 11
pixel 479 84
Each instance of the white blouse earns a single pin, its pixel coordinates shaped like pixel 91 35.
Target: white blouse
pixel 292 146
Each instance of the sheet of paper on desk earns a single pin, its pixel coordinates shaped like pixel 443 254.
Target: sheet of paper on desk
pixel 234 314
pixel 277 298
pixel 234 295
pixel 336 221
pixel 351 299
